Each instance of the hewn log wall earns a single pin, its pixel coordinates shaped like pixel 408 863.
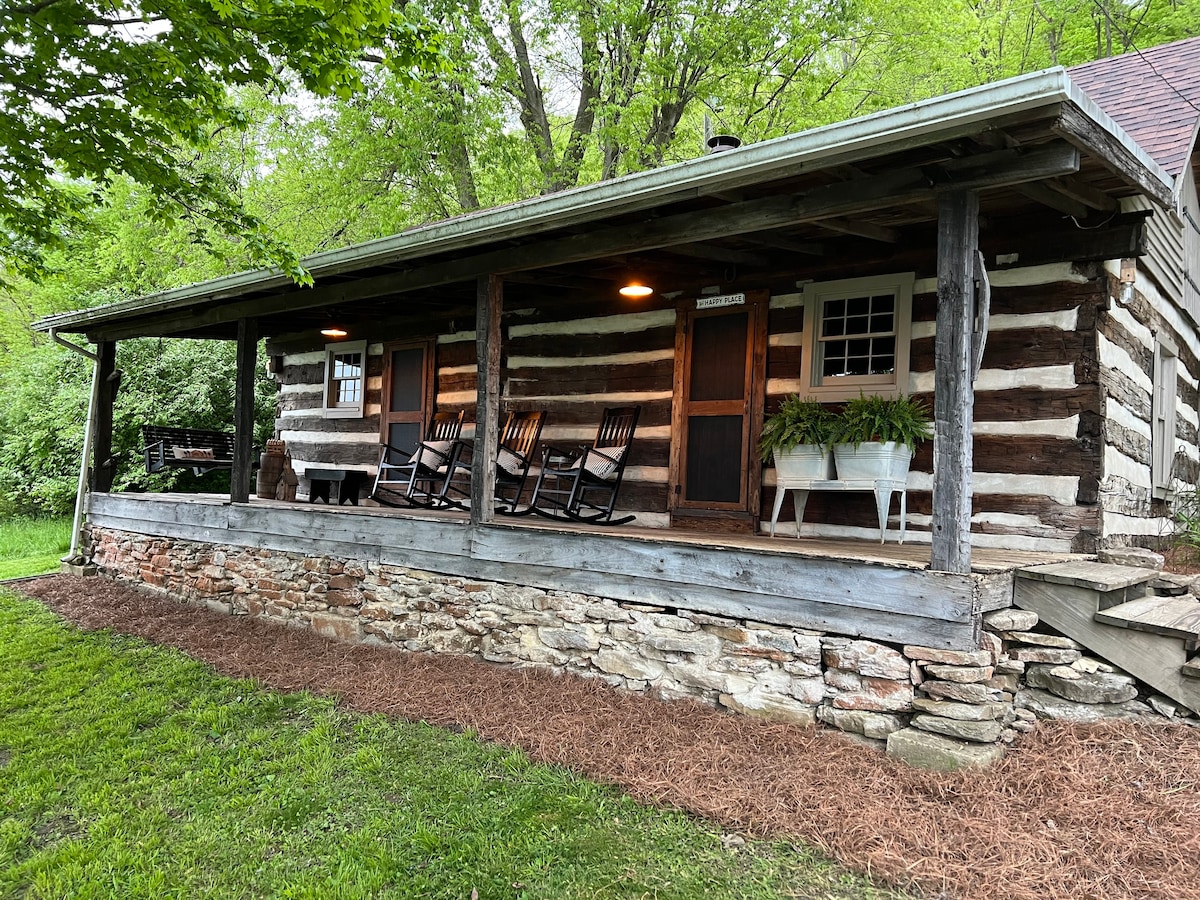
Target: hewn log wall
pixel 570 359
pixel 313 440
pixel 1062 403
pixel 1126 332
pixel 1037 413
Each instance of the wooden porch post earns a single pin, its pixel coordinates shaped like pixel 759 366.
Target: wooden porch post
pixel 106 394
pixel 954 399
pixel 243 410
pixel 489 298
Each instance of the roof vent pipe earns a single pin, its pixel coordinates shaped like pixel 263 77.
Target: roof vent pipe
pixel 719 142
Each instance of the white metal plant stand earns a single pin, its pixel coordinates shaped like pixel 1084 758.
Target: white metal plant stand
pixel 883 488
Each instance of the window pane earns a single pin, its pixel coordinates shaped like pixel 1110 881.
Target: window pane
pixel 858 325
pixel 844 347
pixel 833 327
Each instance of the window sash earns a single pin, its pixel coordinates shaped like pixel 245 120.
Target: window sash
pixel 1162 425
pixel 346 383
pixel 857 307
pixel 345 379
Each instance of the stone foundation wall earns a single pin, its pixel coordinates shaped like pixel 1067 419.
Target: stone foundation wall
pixel 938 708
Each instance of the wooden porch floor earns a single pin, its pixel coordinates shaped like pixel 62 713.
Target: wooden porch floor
pixel 909 555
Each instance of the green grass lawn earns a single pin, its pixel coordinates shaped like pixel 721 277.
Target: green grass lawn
pixel 128 770
pixel 32 546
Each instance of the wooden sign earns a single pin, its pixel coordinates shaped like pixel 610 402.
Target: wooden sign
pixel 720 300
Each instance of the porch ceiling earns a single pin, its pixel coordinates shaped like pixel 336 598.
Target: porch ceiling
pixel 1038 162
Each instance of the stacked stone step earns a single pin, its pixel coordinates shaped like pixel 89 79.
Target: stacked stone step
pixel 869 690
pixel 1054 679
pixel 959 695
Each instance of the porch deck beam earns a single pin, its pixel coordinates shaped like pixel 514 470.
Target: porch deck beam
pixel 846 595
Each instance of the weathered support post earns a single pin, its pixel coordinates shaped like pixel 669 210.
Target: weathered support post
pixel 489 297
pixel 243 410
pixel 107 382
pixel 954 399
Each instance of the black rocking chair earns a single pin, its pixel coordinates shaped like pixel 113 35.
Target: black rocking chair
pixel 514 461
pixel 518 444
pixel 421 478
pixel 583 486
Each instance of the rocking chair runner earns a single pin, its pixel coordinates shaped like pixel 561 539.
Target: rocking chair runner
pixel 421 478
pixel 583 486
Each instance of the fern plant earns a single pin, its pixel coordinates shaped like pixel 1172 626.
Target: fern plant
pixel 799 421
pixel 875 418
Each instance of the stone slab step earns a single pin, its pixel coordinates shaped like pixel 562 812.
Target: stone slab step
pixel 1191 668
pixel 1171 616
pixel 1101 577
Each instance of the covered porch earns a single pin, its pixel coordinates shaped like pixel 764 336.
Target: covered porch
pixel 515 308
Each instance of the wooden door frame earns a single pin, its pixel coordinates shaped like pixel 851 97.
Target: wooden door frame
pixel 757 304
pixel 428 388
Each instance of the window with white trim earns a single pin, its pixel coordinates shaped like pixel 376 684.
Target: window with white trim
pixel 857 336
pixel 1162 417
pixel 345 379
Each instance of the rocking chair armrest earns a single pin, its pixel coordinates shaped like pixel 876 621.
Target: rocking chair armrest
pixel 461 451
pixel 389 450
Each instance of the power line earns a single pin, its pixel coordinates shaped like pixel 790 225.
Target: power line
pixel 1146 59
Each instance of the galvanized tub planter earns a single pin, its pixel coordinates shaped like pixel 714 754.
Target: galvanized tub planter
pixel 871 459
pixel 804 461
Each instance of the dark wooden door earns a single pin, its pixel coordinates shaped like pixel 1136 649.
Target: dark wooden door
pixel 720 366
pixel 407 396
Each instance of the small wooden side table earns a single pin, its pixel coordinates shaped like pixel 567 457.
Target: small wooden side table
pixel 321 482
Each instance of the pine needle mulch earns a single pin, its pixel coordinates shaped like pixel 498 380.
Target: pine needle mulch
pixel 1108 811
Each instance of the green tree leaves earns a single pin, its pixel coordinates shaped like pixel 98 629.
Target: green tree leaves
pixel 95 89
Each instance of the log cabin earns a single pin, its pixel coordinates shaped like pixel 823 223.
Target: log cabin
pixel 1023 255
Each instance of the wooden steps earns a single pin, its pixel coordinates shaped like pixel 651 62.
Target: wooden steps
pixel 1106 609
pixel 1104 578
pixel 1171 616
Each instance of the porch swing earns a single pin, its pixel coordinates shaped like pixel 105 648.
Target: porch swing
pixel 168 447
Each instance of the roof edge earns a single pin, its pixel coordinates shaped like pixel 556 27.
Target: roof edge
pixel 747 164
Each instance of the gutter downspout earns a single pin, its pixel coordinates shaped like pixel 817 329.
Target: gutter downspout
pixel 87 442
